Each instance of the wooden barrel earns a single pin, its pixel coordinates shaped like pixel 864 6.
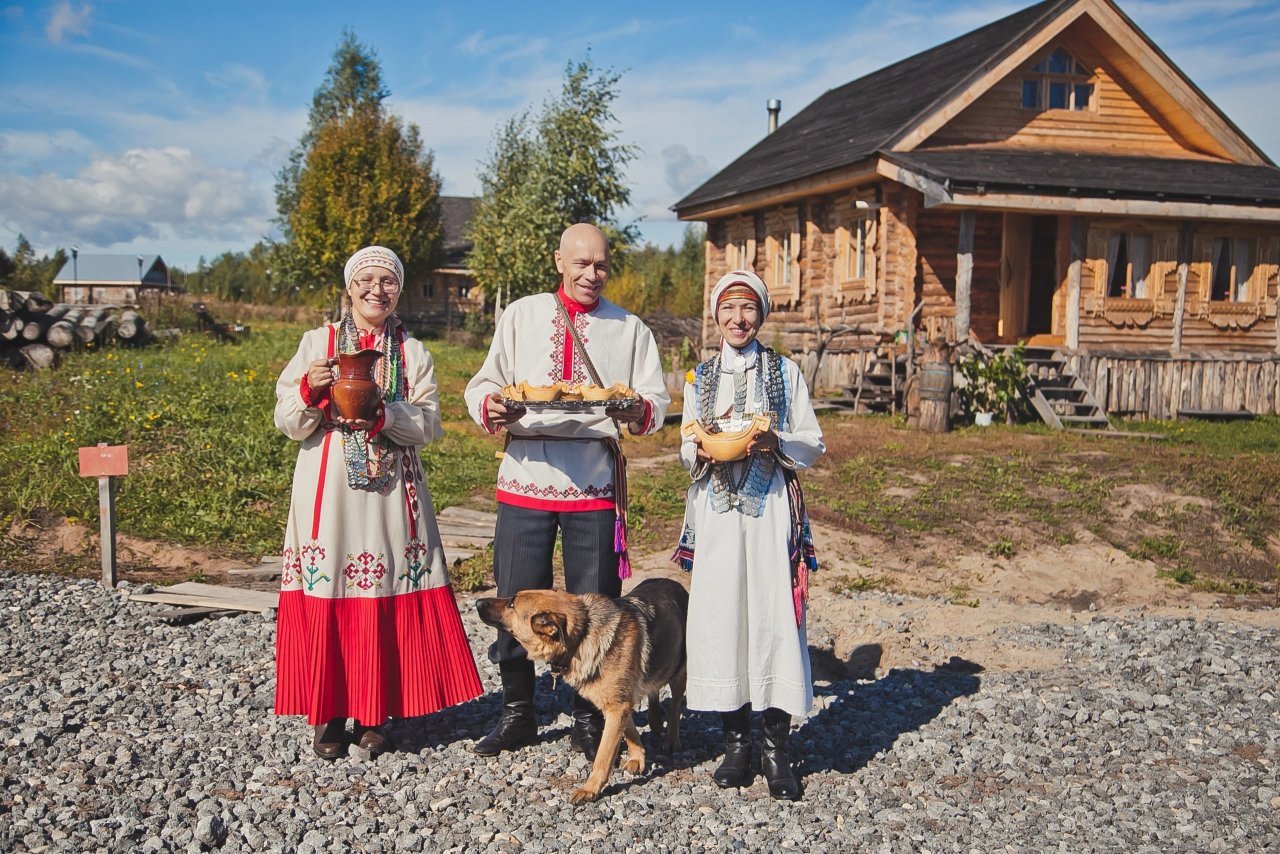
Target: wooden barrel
pixel 935 382
pixel 935 389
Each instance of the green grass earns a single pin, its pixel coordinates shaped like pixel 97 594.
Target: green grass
pixel 207 466
pixel 846 584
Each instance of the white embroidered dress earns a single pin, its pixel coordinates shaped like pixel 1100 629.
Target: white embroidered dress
pixel 743 641
pixel 532 344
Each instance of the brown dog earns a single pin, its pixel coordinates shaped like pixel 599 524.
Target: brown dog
pixel 613 652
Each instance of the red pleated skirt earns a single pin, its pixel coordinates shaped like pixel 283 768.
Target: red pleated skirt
pixel 372 658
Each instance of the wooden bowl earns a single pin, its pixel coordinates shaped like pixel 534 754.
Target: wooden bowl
pixel 569 391
pixel 728 447
pixel 540 393
pixel 617 391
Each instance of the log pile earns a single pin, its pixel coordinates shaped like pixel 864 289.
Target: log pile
pixel 34 331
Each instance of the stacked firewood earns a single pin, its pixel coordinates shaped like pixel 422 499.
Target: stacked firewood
pixel 34 331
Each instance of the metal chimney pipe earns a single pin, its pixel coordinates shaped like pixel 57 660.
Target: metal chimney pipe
pixel 775 107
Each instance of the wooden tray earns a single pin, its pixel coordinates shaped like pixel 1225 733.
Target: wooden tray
pixel 569 406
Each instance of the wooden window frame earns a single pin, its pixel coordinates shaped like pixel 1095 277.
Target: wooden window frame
pixel 782 255
pixel 1127 239
pixel 1073 80
pixel 1233 281
pixel 855 263
pixel 740 244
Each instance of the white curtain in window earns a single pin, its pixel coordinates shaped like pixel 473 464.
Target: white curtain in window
pixel 1113 252
pixel 1140 263
pixel 1242 261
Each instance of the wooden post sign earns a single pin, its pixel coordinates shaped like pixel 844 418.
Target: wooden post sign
pixel 106 462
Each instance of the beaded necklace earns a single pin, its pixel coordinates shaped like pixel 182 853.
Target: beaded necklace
pixel 371 461
pixel 746 492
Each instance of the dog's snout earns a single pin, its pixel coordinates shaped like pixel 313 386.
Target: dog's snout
pixel 490 610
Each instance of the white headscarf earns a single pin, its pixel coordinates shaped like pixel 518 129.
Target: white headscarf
pixel 373 256
pixel 742 277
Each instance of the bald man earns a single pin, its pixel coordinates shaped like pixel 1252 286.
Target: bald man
pixel 562 471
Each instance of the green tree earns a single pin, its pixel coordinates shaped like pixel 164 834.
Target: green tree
pixel 26 272
pixel 358 176
pixel 236 277
pixel 545 173
pixel 670 280
pixel 688 273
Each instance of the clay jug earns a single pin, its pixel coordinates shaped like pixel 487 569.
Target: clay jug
pixel 356 393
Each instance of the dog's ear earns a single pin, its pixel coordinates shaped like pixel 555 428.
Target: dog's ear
pixel 549 625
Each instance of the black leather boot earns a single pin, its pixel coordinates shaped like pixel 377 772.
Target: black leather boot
pixel 775 762
pixel 588 726
pixel 518 725
pixel 736 766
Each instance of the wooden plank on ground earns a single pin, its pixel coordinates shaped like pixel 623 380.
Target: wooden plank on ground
pixel 467 513
pixel 452 527
pixel 211 595
pixel 1116 434
pixel 182 616
pixel 452 556
pixel 464 542
pixel 255 573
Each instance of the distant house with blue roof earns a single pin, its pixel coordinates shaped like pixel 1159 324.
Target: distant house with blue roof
pixel 118 279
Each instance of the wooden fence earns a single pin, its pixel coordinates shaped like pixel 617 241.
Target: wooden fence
pixel 1161 386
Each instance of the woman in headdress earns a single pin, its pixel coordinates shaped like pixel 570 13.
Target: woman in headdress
pixel 368 627
pixel 746 538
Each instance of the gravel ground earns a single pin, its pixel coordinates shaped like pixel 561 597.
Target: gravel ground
pixel 121 733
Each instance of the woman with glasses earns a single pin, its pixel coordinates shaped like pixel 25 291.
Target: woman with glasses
pixel 368 627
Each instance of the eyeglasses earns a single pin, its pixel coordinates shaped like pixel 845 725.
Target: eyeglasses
pixel 388 285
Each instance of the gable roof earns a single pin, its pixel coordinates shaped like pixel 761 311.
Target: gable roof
pixel 88 268
pixel 851 124
pixel 456 213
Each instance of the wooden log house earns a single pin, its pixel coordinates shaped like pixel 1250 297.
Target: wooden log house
pixel 1053 178
pixel 448 293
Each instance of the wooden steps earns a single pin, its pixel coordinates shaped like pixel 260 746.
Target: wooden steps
pixel 1059 397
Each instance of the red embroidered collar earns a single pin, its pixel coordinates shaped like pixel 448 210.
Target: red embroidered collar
pixel 572 304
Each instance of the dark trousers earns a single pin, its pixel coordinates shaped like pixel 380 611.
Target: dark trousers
pixel 523 544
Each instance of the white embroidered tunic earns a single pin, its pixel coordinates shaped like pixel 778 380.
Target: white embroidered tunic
pixel 532 344
pixel 743 641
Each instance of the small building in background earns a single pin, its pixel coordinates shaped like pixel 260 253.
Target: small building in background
pixel 447 294
pixel 113 279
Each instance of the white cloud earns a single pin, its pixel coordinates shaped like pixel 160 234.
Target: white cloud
pixel 245 82
pixel 507 47
pixel 684 170
pixel 68 21
pixel 144 193
pixel 24 150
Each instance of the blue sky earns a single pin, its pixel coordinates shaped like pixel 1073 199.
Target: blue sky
pixel 146 126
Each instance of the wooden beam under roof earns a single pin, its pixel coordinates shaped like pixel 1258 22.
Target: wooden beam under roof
pixel 826 182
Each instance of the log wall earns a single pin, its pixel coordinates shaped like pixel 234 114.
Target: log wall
pixel 937 236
